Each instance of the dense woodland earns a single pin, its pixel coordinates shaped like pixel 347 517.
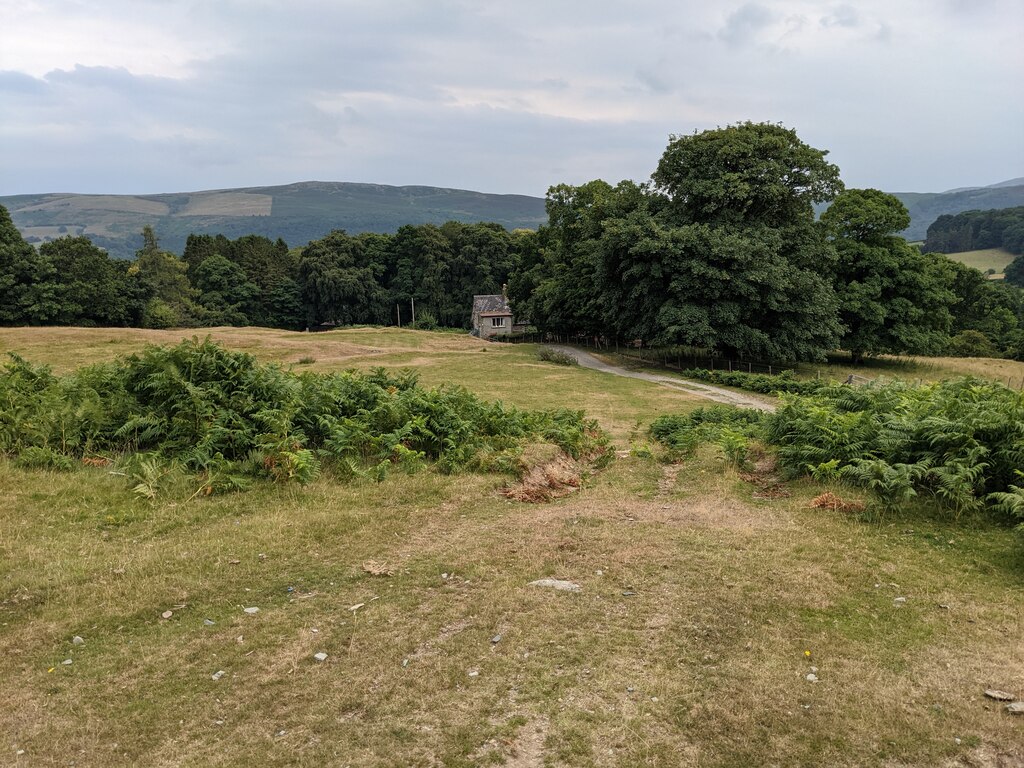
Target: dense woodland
pixel 720 251
pixel 976 230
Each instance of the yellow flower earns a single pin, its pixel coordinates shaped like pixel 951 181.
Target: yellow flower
pixel 807 654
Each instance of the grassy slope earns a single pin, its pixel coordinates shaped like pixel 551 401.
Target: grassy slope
pixel 730 591
pixel 997 259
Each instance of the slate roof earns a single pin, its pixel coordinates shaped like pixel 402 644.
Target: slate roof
pixel 491 303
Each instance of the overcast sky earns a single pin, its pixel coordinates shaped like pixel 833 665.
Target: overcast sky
pixel 145 96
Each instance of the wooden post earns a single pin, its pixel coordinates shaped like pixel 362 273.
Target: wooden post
pixel 398 311
pixel 413 310
pixel 769 370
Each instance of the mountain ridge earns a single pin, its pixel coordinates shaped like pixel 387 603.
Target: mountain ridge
pixel 306 210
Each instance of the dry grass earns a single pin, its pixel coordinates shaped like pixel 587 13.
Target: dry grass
pixel 997 259
pixel 685 646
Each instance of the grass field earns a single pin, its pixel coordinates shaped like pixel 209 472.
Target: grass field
pixel 996 259
pixel 686 645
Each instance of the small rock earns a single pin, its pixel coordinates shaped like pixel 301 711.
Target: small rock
pixel 209 622
pixel 234 562
pixel 405 663
pixel 957 742
pixel 67 662
pixel 654 699
pixel 599 573
pixel 1016 708
pixel 357 606
pixel 496 639
pixel 20 752
pixel 998 695
pixel 444 575
pixel 281 733
pixel 166 614
pixel 630 689
pixel 812 678
pixel 629 594
pixel 559 584
pixel 944 606
pixel 251 610
pixel 899 600
pixel 217 675
pixel 814 670
pixel 218 722
pixel 474 673
pixel 76 640
pixel 320 656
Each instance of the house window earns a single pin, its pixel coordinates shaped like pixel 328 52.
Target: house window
pixel 497 322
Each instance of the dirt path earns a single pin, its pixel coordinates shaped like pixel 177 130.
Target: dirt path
pixel 718 394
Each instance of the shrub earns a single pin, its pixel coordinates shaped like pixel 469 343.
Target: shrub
pixel 226 416
pixel 972 344
pixel 549 355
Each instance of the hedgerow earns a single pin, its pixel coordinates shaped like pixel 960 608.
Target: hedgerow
pixel 226 416
pixel 756 382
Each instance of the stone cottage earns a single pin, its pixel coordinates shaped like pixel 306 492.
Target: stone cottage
pixel 491 316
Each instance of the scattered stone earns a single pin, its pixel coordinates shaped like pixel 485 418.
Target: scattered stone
pixel 357 606
pixel 444 575
pixel 218 722
pixel 251 610
pixel 234 562
pixel 957 742
pixel 944 606
pixel 166 614
pixel 814 670
pixel 496 639
pixel 1016 708
pixel 812 678
pixel 405 663
pixel 559 584
pixel 320 656
pixel 630 689
pixel 998 695
pixel 898 601
pixel 654 699
pixel 20 752
pixel 629 594
pixel 474 672
pixel 76 640
pixel 67 662
pixel 217 675
pixel 281 733
pixel 209 622
pixel 599 573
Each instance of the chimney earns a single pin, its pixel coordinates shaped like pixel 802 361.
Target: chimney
pixel 504 290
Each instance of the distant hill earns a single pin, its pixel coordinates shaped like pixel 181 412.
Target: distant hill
pixel 926 207
pixel 309 210
pixel 296 212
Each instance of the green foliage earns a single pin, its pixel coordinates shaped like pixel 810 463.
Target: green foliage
pixel 556 356
pixel 755 382
pixel 960 442
pixel 976 230
pixel 729 427
pixel 971 344
pixel 892 298
pixel 229 418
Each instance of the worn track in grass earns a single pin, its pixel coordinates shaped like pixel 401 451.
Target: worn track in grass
pixel 718 394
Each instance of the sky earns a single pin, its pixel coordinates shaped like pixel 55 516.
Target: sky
pixel 148 96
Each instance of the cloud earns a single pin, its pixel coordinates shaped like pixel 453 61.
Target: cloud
pixel 153 95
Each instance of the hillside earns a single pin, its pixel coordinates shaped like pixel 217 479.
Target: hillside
pixel 296 212
pixel 926 207
pixel 309 210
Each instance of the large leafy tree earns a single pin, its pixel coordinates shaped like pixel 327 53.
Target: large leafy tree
pixel 28 294
pixel 91 288
pixel 892 298
pixel 169 296
pixel 336 284
pixel 723 252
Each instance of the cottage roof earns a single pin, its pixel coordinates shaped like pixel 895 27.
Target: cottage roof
pixel 491 303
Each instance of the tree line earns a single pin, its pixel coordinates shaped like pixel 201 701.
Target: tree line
pixel 977 230
pixel 340 279
pixel 720 251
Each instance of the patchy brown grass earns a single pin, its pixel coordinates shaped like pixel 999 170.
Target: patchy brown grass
pixel 686 644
